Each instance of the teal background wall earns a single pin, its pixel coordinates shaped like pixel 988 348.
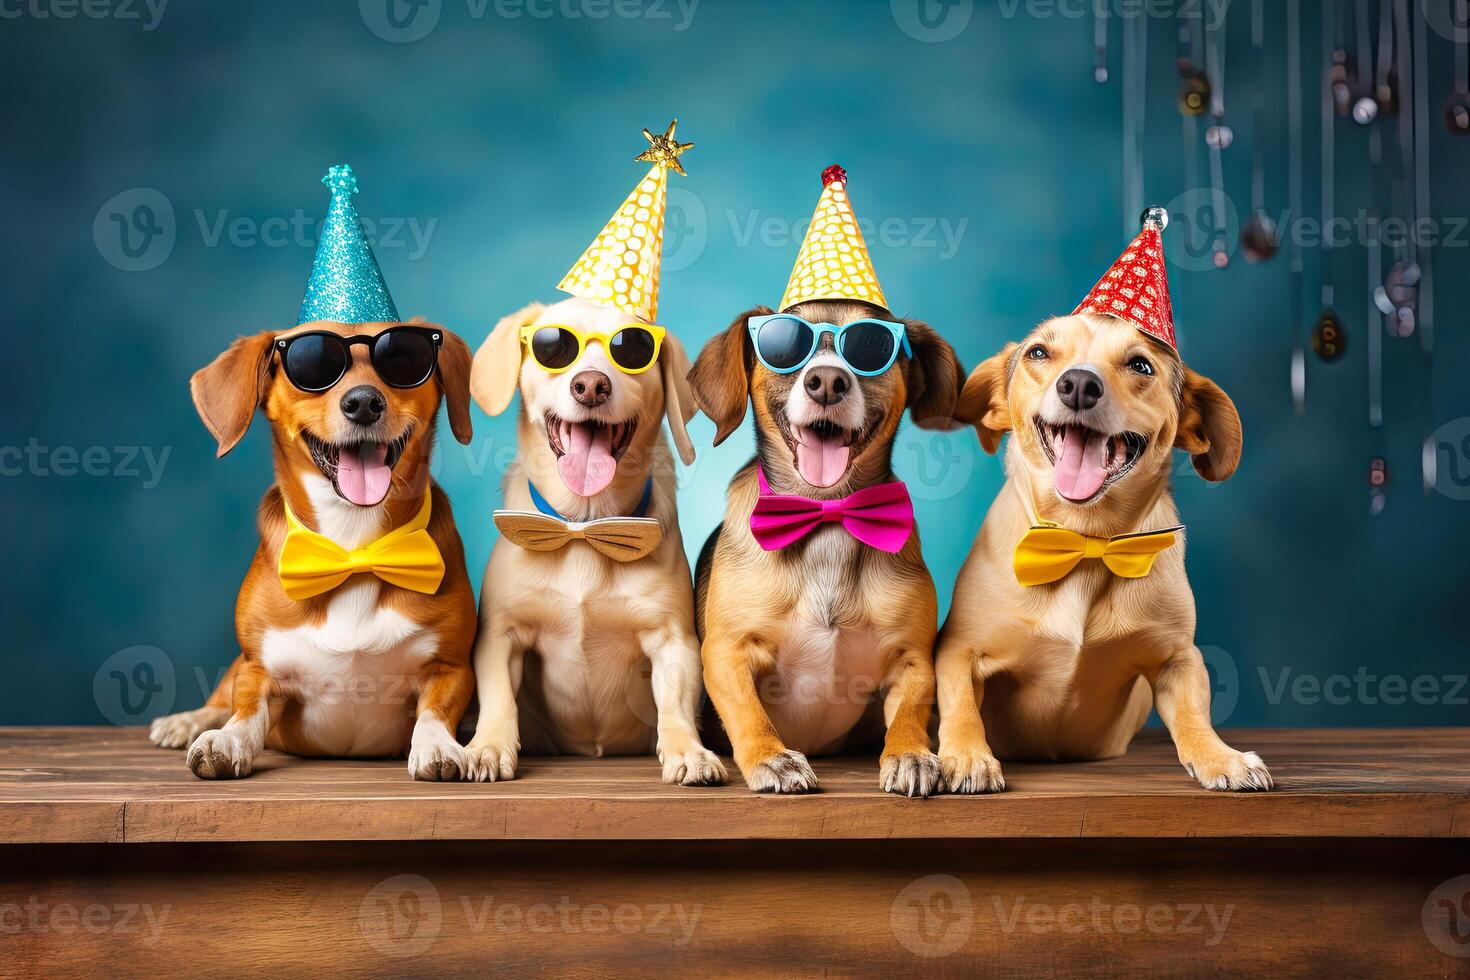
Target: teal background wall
pixel 159 185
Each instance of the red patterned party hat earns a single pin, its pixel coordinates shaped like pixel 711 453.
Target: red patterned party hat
pixel 1136 288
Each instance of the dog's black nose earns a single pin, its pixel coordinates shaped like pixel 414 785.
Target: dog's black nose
pixel 1080 388
pixel 591 388
pixel 827 385
pixel 364 405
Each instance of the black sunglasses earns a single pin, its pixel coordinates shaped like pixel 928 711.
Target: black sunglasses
pixel 404 357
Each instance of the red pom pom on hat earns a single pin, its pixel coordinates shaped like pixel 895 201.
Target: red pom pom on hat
pixel 1136 288
pixel 834 175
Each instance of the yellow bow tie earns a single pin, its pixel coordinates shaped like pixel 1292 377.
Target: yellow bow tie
pixel 406 557
pixel 619 538
pixel 1048 553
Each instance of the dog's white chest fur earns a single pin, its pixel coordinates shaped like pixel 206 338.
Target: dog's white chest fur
pixel 352 676
pixel 827 665
pixel 591 694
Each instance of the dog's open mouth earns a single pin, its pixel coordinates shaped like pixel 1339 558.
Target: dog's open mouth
pixel 587 453
pixel 823 451
pixel 361 472
pixel 1086 462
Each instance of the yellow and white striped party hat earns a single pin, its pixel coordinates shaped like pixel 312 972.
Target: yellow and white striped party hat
pixel 833 262
pixel 621 267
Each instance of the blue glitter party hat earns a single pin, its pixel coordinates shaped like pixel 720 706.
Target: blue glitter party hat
pixel 346 285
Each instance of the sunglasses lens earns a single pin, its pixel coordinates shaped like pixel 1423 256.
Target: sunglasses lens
pixel 868 347
pixel 403 358
pixel 632 348
pixel 554 348
pixel 315 362
pixel 783 343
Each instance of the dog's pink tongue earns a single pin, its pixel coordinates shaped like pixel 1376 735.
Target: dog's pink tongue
pixel 1080 468
pixel 821 462
pixel 363 476
pixel 588 466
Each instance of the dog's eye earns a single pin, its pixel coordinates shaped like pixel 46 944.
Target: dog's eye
pixel 1038 353
pixel 1141 365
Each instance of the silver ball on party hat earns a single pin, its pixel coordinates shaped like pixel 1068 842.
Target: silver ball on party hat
pixel 1155 217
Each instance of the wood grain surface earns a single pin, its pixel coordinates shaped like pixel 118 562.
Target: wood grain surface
pixel 1118 908
pixel 108 785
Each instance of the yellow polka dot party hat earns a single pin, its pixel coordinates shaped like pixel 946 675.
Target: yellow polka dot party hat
pixel 833 262
pixel 621 267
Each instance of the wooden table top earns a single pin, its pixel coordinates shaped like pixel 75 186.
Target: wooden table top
pixel 108 785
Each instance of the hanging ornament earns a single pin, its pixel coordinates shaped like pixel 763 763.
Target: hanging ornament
pixel 1329 341
pixel 1377 485
pixel 1295 200
pixel 1397 297
pixel 1364 106
pixel 1457 110
pixel 1194 91
pixel 1100 43
pixel 1218 136
pixel 1344 82
pixel 1258 238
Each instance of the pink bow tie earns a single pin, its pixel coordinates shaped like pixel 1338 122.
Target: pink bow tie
pixel 880 516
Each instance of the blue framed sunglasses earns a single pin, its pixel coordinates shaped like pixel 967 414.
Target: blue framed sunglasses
pixel 785 343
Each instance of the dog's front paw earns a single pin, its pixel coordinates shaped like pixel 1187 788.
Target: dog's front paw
pixel 970 772
pixel 695 766
pixel 492 759
pixel 220 754
pixel 910 774
pixel 784 772
pixel 1230 770
pixel 178 730
pixel 434 756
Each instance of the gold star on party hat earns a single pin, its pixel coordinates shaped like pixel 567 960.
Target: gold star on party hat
pixel 665 149
pixel 621 267
pixel 833 262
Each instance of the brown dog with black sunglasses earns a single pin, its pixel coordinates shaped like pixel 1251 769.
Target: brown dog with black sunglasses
pixel 379 663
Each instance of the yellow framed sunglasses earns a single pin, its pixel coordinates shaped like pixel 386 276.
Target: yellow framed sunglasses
pixel 633 349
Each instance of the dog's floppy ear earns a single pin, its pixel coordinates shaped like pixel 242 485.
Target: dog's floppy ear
pixel 721 375
pixel 933 378
pixel 497 365
pixel 454 381
pixel 982 402
pixel 673 368
pixel 1209 428
pixel 229 390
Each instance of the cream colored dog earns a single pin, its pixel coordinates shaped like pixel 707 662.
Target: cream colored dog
pixel 1069 670
pixel 591 623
